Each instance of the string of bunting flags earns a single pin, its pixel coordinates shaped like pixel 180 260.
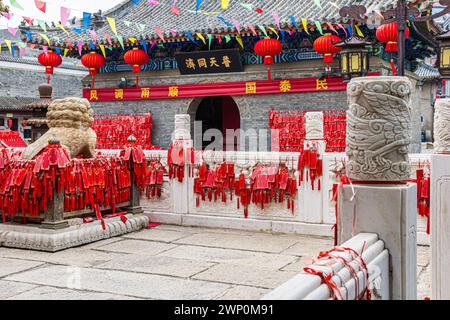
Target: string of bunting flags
pixel 238 27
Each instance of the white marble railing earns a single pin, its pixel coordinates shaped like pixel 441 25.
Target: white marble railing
pixel 305 286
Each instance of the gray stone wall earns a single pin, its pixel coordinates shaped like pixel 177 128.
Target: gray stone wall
pixel 254 109
pixel 24 83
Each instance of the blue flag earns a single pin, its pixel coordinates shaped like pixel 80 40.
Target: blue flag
pixel 58 50
pixel 91 46
pixel 76 30
pixel 86 20
pixel 188 34
pixel 29 35
pixel 197 6
pixel 282 34
pixel 294 22
pixel 350 31
pixel 136 2
pixel 226 22
pixel 144 45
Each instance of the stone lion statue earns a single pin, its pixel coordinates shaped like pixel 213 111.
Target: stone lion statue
pixel 69 120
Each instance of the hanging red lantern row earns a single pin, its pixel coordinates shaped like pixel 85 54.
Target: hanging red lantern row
pixel 268 48
pixel 325 45
pixel 49 60
pixel 388 33
pixel 136 58
pixel 310 161
pixel 93 61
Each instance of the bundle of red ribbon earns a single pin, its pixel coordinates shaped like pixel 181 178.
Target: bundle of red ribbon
pixel 423 196
pixel 309 160
pixel 291 128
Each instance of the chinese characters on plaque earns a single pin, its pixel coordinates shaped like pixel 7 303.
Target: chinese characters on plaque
pixel 216 61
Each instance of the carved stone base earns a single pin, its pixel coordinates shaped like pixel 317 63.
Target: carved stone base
pixel 134 210
pixel 55 225
pixel 35 238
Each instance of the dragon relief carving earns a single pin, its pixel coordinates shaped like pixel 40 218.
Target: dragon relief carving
pixel 378 129
pixel 442 126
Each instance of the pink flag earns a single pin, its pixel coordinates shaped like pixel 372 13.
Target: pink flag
pixel 69 42
pixel 332 28
pixel 277 19
pixel 175 10
pixel 65 13
pixel 160 34
pixel 45 48
pixel 153 2
pixel 251 28
pixel 7 15
pixel 219 38
pixel 80 47
pixel 173 32
pixel 22 51
pixel 236 24
pixel 342 27
pixel 93 34
pixel 32 45
pixel 108 38
pixel 153 44
pixel 13 31
pixel 41 5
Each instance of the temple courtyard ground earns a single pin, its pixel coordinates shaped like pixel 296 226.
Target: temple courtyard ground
pixel 169 262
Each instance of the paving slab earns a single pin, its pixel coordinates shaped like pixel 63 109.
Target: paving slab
pixel 81 257
pixel 219 255
pixel 124 283
pixel 10 266
pixel 309 249
pixel 10 289
pixel 157 235
pixel 51 293
pixel 137 246
pixel 157 265
pixel 298 265
pixel 251 276
pixel 255 242
pixel 243 293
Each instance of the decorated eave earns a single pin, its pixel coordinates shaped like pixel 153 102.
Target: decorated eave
pixel 155 23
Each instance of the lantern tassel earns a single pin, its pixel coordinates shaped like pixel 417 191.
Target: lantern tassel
pixel 93 82
pixel 391 46
pixel 48 79
pixel 328 58
pixel 269 74
pixel 137 81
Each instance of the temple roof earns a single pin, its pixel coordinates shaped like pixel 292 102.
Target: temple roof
pixel 16 103
pixel 427 72
pixel 206 20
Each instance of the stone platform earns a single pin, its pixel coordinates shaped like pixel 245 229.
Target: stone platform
pixel 168 262
pixel 34 237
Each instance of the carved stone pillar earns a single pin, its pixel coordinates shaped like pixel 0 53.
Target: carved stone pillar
pixel 442 126
pixel 440 202
pixel 314 125
pixel 378 128
pixel 182 127
pixel 378 138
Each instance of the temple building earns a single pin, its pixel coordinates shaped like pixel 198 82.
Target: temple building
pixel 203 63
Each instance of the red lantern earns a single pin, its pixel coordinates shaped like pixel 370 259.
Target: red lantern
pixel 93 61
pixel 388 33
pixel 326 45
pixel 49 60
pixel 136 58
pixel 268 48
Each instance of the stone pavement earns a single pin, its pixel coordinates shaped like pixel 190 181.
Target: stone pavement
pixel 168 262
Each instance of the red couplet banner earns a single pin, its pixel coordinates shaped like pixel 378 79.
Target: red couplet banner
pixel 217 89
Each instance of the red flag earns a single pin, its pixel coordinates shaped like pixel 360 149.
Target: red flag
pixel 41 5
pixel 28 20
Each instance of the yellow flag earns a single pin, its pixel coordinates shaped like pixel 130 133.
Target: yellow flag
pixel 65 52
pixel 43 36
pixel 63 29
pixel 201 37
pixel 224 4
pixel 359 32
pixel 102 47
pixel 8 43
pixel 112 24
pixel 305 25
pixel 133 40
pixel 274 31
pixel 239 40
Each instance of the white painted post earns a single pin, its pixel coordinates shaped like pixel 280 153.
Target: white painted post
pixel 311 200
pixel 180 191
pixel 440 202
pixel 378 136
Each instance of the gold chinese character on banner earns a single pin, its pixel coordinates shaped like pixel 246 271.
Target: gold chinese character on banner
pixel 93 95
pixel 226 61
pixel 321 84
pixel 173 91
pixel 190 63
pixel 202 63
pixel 145 93
pixel 285 86
pixel 250 87
pixel 213 62
pixel 118 94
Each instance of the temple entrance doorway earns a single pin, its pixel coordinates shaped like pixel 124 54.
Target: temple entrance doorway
pixel 217 115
